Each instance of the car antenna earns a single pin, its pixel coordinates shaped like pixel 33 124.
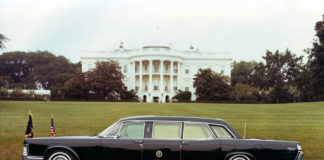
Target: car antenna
pixel 244 129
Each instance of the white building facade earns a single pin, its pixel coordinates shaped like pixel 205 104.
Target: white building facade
pixel 156 73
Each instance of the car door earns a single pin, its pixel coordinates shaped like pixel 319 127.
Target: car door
pixel 164 142
pixel 127 142
pixel 199 143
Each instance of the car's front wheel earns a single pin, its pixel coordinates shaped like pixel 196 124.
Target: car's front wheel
pixel 239 157
pixel 60 155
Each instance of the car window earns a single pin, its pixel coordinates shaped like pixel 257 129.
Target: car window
pixel 166 130
pixel 221 132
pixel 114 130
pixel 132 130
pixel 196 131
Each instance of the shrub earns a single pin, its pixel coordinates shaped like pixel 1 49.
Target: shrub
pixel 17 93
pixel 3 93
pixel 183 96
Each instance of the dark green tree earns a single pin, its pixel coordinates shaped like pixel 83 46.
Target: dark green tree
pixel 316 61
pixel 258 76
pixel 2 39
pixel 76 87
pixel 242 72
pixel 183 96
pixel 281 70
pixel 31 69
pixel 105 81
pixel 211 86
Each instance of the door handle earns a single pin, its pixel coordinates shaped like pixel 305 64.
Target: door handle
pixel 138 141
pixel 185 142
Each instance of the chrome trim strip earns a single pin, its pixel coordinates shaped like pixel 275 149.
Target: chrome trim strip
pixel 25 157
pixel 300 155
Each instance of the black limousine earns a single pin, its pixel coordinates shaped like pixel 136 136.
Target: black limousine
pixel 161 138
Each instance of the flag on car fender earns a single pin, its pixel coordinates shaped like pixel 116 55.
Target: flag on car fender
pixel 53 133
pixel 29 130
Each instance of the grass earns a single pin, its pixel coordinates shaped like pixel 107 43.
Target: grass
pixel 303 122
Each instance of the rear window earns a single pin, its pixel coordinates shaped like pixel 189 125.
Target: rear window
pixel 221 132
pixel 196 132
pixel 166 130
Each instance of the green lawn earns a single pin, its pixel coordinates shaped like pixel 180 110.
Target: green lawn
pixel 303 122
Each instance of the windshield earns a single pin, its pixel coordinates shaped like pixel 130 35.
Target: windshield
pixel 111 131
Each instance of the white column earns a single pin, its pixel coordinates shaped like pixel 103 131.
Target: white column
pixel 178 77
pixel 150 87
pixel 141 77
pixel 171 77
pixel 161 76
pixel 134 75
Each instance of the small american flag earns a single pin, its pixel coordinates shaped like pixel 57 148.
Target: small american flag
pixel 29 130
pixel 53 133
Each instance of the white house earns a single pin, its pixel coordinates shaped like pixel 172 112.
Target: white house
pixel 157 72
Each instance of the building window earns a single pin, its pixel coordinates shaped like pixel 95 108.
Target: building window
pixel 166 67
pixel 166 88
pixel 145 67
pixel 222 71
pixel 175 88
pixel 187 71
pixel 136 88
pixel 156 67
pixel 125 69
pixel 187 89
pixel 136 68
pixel 156 88
pixel 146 88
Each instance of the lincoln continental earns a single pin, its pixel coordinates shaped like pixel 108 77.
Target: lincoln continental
pixel 161 138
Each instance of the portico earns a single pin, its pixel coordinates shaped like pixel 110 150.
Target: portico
pixel 156 80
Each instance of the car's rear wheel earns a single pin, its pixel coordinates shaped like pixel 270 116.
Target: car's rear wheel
pixel 60 155
pixel 239 157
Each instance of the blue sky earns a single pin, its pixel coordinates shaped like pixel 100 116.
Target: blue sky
pixel 245 28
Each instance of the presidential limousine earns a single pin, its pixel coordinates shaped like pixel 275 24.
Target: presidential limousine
pixel 161 138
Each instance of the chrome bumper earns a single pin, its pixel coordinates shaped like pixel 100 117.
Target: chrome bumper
pixel 300 156
pixel 25 157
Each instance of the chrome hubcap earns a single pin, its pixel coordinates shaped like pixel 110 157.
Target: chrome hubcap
pixel 239 157
pixel 59 156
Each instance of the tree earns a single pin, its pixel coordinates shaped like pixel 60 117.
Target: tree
pixel 48 69
pixel 76 87
pixel 305 85
pixel 211 86
pixel 242 91
pixel 281 69
pixel 258 76
pixel 33 69
pixel 106 80
pixel 183 96
pixel 2 39
pixel 316 61
pixel 242 72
